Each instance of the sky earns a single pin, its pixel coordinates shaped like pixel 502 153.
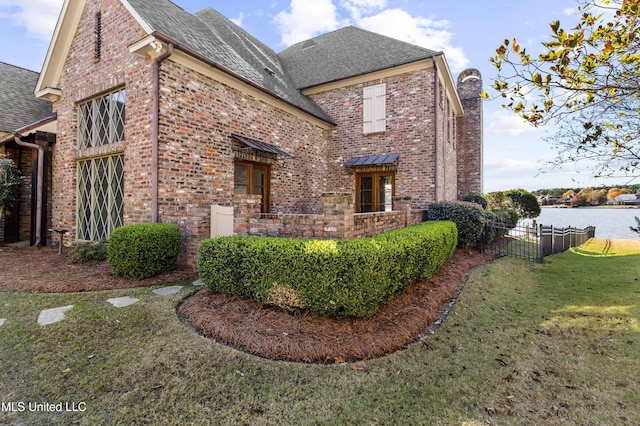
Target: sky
pixel 467 31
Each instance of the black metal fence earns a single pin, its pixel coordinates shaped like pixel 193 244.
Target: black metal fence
pixel 532 241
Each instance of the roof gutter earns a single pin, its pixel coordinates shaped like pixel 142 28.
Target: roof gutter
pixel 155 129
pixel 29 128
pixel 18 139
pixel 436 103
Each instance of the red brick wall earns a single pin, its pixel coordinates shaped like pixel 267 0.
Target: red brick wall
pixel 198 117
pixel 337 221
pixel 84 77
pixel 410 132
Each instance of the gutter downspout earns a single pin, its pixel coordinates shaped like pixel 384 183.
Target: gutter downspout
pixel 436 101
pixel 39 184
pixel 155 129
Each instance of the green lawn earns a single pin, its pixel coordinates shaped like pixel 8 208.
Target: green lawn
pixel 526 343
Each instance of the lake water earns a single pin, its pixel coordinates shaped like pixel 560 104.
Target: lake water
pixel 609 223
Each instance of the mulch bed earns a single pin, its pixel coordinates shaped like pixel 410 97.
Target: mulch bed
pixel 43 270
pixel 265 331
pixel 273 333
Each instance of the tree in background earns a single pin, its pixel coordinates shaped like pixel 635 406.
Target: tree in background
pixel 578 200
pixel 614 192
pixel 524 203
pixel 10 178
pixel 598 196
pixel 587 80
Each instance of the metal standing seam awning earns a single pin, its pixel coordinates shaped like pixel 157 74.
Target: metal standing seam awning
pixel 372 160
pixel 261 146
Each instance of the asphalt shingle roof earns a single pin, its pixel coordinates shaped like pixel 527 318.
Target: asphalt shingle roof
pixel 18 105
pixel 345 53
pixel 210 34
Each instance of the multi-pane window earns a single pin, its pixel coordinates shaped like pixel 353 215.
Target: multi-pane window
pixel 100 197
pixel 100 202
pixel 375 108
pixel 253 178
pixel 374 192
pixel 101 120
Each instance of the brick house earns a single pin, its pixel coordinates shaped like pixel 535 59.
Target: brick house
pixel 162 114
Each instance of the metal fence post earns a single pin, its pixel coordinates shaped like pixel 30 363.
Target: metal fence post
pixel 546 240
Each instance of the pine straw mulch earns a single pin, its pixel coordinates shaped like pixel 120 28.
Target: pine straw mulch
pixel 265 331
pixel 273 333
pixel 43 270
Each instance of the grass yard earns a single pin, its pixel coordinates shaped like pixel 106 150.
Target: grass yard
pixel 526 343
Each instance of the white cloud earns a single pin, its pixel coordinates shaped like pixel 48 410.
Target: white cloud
pixel 507 123
pixel 424 32
pixel 306 19
pixel 509 173
pixel 238 20
pixel 39 17
pixel 357 7
pixel 367 4
pixel 509 165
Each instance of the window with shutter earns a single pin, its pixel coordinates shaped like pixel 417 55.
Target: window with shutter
pixel 375 108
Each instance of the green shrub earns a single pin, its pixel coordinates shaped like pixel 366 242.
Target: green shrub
pixel 477 198
pixel 468 217
pixel 521 201
pixel 10 178
pixel 328 277
pixel 86 252
pixel 497 224
pixel 143 250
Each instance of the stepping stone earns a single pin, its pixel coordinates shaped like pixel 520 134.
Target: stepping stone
pixel 121 302
pixel 2 320
pixel 165 291
pixel 198 283
pixel 53 315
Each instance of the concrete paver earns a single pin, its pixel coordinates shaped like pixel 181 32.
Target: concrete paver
pixel 121 302
pixel 166 291
pixel 53 315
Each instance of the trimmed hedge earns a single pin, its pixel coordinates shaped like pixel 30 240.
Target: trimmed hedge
pixel 468 217
pixel 328 277
pixel 143 250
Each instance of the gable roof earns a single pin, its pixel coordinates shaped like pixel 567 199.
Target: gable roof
pixel 345 53
pixel 207 34
pixel 215 40
pixel 18 106
pixel 218 39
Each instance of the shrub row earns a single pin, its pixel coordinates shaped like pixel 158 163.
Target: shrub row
pixel 328 277
pixel 473 222
pixel 468 217
pixel 143 250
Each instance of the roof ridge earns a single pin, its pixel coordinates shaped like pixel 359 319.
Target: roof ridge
pixel 19 67
pixel 348 52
